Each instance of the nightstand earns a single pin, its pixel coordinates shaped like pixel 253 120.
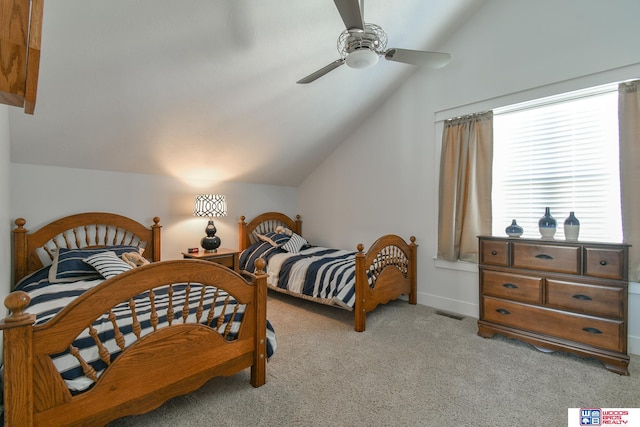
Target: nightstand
pixel 223 256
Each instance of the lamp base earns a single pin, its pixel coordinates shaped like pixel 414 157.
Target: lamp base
pixel 210 243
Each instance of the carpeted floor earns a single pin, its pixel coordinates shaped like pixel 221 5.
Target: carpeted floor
pixel 412 367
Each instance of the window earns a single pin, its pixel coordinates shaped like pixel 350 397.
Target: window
pixel 559 152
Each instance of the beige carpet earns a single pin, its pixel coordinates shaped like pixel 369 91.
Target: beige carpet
pixel 412 367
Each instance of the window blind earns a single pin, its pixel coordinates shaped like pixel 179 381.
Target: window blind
pixel 561 153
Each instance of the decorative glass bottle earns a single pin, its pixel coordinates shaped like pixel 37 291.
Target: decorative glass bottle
pixel 514 230
pixel 571 227
pixel 547 225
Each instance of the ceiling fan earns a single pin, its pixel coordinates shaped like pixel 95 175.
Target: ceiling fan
pixel 362 44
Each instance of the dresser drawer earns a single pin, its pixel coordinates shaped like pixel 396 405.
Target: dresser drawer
pixel 606 263
pixel 602 333
pixel 546 257
pixel 494 252
pixel 512 286
pixel 586 298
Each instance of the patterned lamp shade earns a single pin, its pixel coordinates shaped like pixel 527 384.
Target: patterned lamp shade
pixel 210 205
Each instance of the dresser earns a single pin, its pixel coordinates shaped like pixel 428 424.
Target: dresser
pixel 557 296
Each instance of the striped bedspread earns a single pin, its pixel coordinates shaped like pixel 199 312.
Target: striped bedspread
pixel 321 274
pixel 47 299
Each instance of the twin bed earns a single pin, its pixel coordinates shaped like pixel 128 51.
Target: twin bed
pixel 89 340
pixel 329 276
pixel 138 338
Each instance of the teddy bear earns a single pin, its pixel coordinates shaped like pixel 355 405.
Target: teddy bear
pixel 283 230
pixel 134 259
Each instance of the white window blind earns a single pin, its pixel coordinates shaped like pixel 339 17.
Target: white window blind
pixel 560 152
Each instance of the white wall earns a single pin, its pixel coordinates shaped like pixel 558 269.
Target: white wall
pixel 383 179
pixel 41 194
pixel 5 253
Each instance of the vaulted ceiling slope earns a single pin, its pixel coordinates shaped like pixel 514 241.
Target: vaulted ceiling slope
pixel 206 89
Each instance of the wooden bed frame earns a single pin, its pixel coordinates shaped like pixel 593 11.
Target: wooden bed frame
pixel 391 260
pixel 168 362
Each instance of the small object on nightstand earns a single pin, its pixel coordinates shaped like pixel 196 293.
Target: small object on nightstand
pixel 193 250
pixel 223 256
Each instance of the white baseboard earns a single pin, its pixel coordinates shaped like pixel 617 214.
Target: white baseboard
pixel 455 306
pixel 633 344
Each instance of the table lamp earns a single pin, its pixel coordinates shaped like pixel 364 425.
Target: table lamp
pixel 210 205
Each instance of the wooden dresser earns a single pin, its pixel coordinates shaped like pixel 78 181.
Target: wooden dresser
pixel 557 295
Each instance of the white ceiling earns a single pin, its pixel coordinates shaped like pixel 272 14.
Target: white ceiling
pixel 206 89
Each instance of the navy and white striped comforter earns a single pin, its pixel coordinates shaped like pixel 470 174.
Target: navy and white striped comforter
pixel 48 299
pixel 323 274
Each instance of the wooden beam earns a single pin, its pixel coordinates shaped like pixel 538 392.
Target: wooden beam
pixel 33 55
pixel 20 36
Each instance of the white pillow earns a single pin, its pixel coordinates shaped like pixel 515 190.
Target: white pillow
pixel 107 264
pixel 294 244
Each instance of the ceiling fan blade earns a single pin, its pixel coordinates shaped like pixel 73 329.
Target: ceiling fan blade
pixel 351 14
pixel 418 57
pixel 322 71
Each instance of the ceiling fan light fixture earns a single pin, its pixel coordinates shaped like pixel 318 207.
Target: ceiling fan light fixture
pixel 362 58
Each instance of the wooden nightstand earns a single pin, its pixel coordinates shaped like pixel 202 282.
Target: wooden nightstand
pixel 223 256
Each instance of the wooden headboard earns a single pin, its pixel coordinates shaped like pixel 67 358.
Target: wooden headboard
pixel 92 229
pixel 265 223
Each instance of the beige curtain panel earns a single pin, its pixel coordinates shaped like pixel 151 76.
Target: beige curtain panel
pixel 629 135
pixel 465 186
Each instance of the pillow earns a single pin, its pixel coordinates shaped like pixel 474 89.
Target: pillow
pixel 274 239
pixel 295 243
pixel 107 264
pixel 68 264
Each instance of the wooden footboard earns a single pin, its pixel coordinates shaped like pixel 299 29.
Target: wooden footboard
pixel 391 262
pixel 167 362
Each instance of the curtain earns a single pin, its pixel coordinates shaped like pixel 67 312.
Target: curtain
pixel 465 186
pixel 629 135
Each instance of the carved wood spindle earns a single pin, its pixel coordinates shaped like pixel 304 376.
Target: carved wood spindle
pixel 224 309
pixel 49 251
pixel 230 323
pixel 170 306
pixel 86 368
pixel 101 240
pixel 212 309
pixel 154 314
pixel 116 330
pixel 185 307
pixel 134 318
pixel 200 308
pixel 76 238
pixel 102 351
pixel 66 240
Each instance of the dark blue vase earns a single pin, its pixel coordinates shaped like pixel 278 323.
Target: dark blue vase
pixel 514 230
pixel 547 225
pixel 571 227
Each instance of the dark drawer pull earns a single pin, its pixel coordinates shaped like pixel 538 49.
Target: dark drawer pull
pixel 592 330
pixel 503 311
pixel 544 256
pixel 494 252
pixel 510 286
pixel 582 297
pixel 603 262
